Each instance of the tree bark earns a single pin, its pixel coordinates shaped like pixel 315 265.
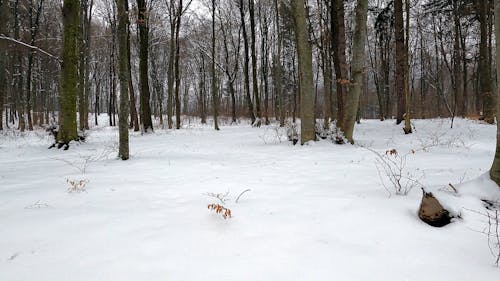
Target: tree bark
pixel 134 119
pixel 123 150
pixel 399 75
pixel 304 52
pixel 407 129
pixel 176 70
pixel 246 63
pixel 212 73
pixel 278 67
pixel 255 86
pixel 495 168
pixel 69 73
pixel 142 23
pixel 485 65
pixel 4 11
pixel 357 68
pixel 339 58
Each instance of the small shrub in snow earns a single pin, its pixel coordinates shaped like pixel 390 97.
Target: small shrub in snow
pixel 393 172
pixel 494 234
pixel 77 186
pixel 274 134
pixel 221 207
pixel 292 132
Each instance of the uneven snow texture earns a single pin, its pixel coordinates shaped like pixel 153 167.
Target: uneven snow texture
pixel 314 212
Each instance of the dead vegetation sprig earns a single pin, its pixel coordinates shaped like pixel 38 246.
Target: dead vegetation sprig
pixel 393 172
pixel 492 228
pixel 223 198
pixel 77 186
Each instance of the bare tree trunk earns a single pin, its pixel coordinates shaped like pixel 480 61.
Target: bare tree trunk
pixel 304 52
pixel 495 168
pixel 171 58
pixel 278 67
pixel 176 70
pixel 81 65
pixel 357 65
pixel 69 73
pixel 457 87
pixel 264 61
pixel 255 86
pixel 246 63
pixel 339 58
pixel 143 26
pixel 484 64
pixel 123 45
pixel 407 129
pixel 212 73
pixel 400 60
pixel 134 119
pixel 4 10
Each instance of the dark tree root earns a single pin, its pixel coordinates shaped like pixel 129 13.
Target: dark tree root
pixel 54 130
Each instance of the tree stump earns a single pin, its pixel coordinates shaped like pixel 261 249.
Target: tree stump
pixel 432 212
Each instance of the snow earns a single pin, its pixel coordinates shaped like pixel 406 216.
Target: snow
pixel 315 212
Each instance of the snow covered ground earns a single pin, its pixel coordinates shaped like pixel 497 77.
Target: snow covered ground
pixel 314 212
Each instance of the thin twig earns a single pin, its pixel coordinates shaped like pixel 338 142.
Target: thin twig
pixel 245 191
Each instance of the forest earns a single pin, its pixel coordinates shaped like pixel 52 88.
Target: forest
pixel 187 139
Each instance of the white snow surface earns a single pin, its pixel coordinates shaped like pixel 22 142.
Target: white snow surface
pixel 314 212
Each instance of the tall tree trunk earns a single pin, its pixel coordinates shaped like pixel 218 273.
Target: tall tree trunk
pixel 143 26
pixel 88 24
pixel 69 72
pixel 203 108
pixel 176 66
pixel 278 67
pixel 81 65
pixel 264 62
pixel 400 60
pixel 458 88
pixel 485 65
pixel 4 11
pixel 339 58
pixel 407 129
pixel 134 119
pixel 358 57
pixel 464 73
pixel 246 62
pixel 123 150
pixel 325 65
pixel 304 53
pixel 495 168
pixel 255 86
pixel 212 73
pixel 171 63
